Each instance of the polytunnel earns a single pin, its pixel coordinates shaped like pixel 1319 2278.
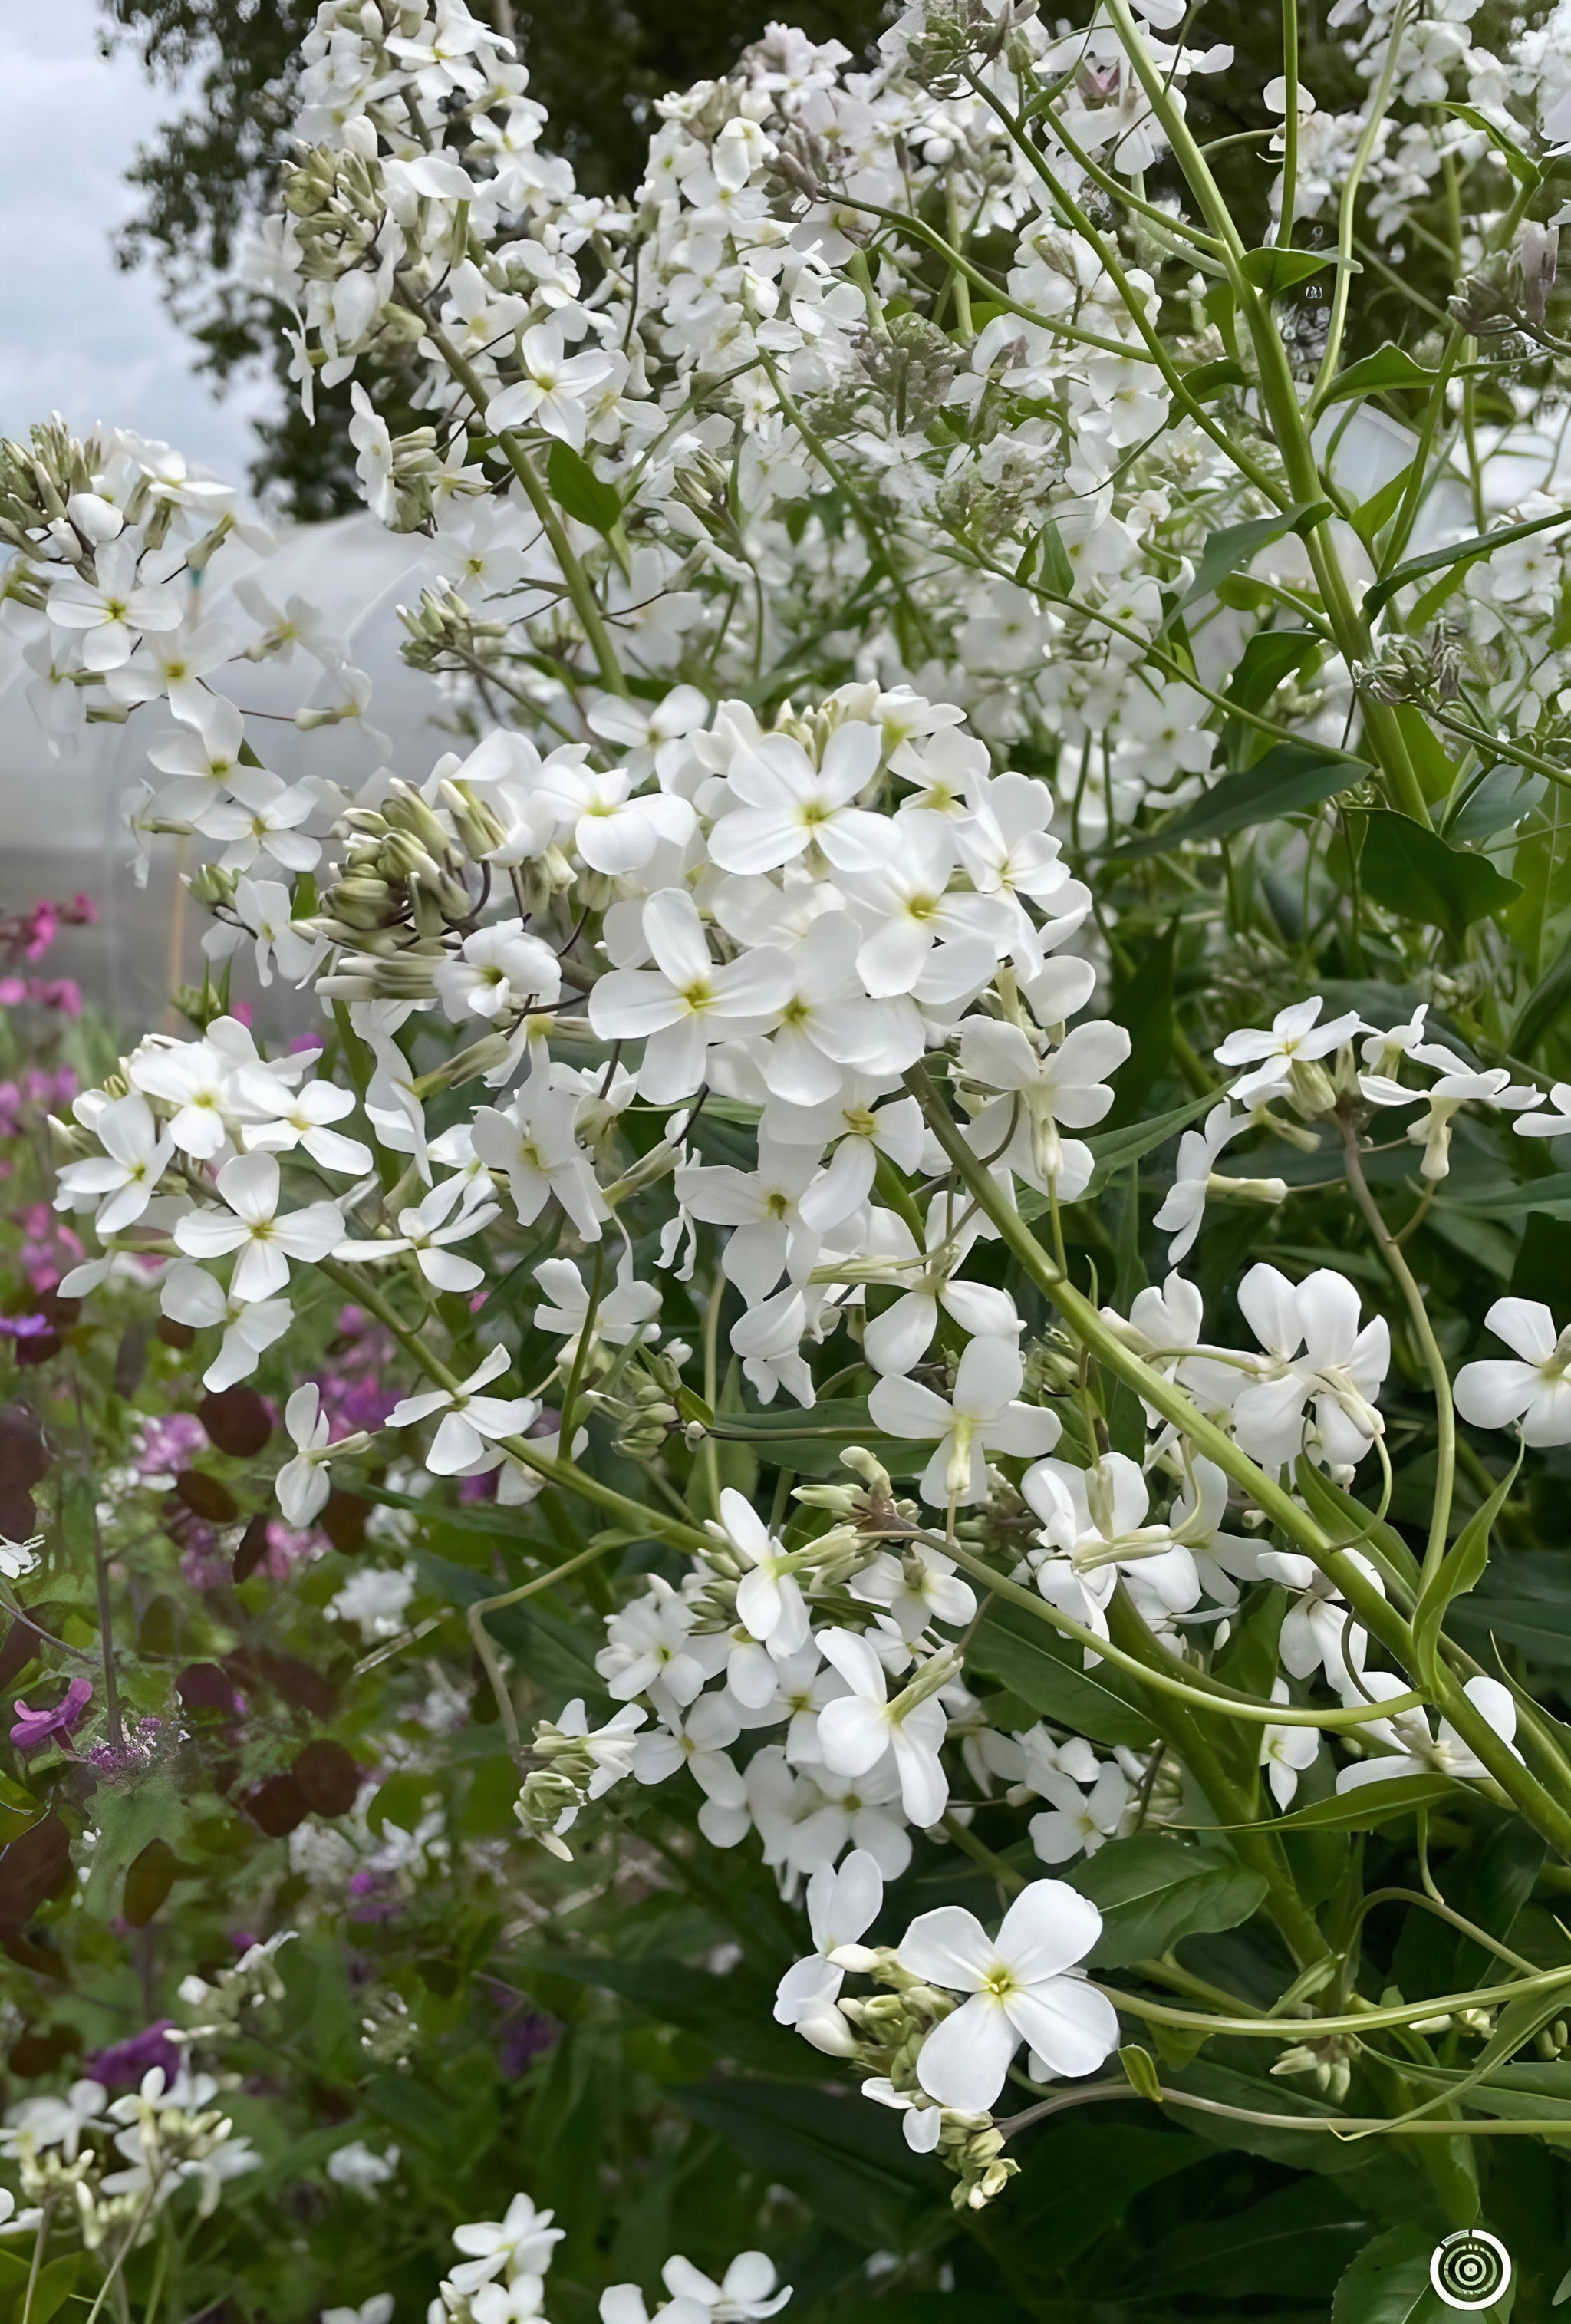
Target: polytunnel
pixel 63 808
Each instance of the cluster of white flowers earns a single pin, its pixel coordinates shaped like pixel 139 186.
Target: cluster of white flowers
pixel 168 2135
pixel 500 2279
pixel 748 963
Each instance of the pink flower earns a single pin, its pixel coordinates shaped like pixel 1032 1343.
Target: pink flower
pixel 35 1728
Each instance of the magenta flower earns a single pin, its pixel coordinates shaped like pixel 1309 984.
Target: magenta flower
pixel 35 1728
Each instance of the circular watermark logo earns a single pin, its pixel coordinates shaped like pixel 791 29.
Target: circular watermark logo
pixel 1470 2269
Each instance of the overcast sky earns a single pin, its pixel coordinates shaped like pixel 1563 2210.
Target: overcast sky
pixel 76 335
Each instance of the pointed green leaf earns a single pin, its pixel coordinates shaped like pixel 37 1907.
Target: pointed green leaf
pixel 1389 366
pixel 1275 270
pixel 1460 553
pixel 1235 544
pixel 1289 778
pixel 578 492
pixel 1419 876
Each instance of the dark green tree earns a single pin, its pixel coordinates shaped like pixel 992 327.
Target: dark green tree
pixel 598 66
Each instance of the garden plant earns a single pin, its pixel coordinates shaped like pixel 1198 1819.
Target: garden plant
pixel 784 1500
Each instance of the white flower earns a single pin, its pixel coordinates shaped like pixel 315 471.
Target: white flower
pixel 1532 1390
pixel 625 1313
pixel 552 395
pixel 785 804
pixel 686 1001
pixel 1183 1206
pixel 518 2244
pixel 1021 1989
pixel 44 2122
pixel 855 1730
pixel 1315 1354
pixel 983 1415
pixel 1078 1820
pixel 426 1230
pixel 360 2167
pixel 496 969
pixel 533 1141
pixel 1286 1751
pixel 276 1119
pixel 1067 1085
pixel 1094 1519
pixel 841 1907
pixel 377 2310
pixel 263 815
pixel 193 1077
pixel 136 1154
pixel 188 1294
pixel 18 1557
pixel 376 1598
pixel 1295 1036
pixel 918 1589
pixel 112 613
pixel 700 1739
pixel 768 1597
pixel 650 1649
pixel 303 1484
pixel 469 1420
pixel 251 1225
pixel 1412 1749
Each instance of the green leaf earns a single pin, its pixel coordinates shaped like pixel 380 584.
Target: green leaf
pixel 846 2159
pixel 1143 1005
pixel 1235 544
pixel 1208 379
pixel 1363 1810
pixel 1349 1522
pixel 729 2015
pixel 1522 167
pixel 1417 875
pixel 579 492
pixel 1304 2235
pixel 1116 1150
pixel 1046 555
pixel 1291 778
pixel 1270 656
pixel 1461 553
pixel 1153 1891
pixel 56 2282
pixel 1274 270
pixel 1458 1573
pixel 1045 1671
pixel 1390 366
pixel 811 1441
pixel 1083 2174
pixel 1388 2282
pixel 1542 1006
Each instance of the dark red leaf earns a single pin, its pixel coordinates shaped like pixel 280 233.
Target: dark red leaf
pixel 39 2051
pixel 278 1806
pixel 173 1335
pixel 206 1497
pixel 236 1420
pixel 25 1463
pixel 342 1520
pixel 148 1882
pixel 328 1777
pixel 31 1870
pixel 203 1686
pixel 253 1547
pixel 130 1360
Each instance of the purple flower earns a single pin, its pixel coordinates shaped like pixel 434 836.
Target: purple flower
pixel 166 1445
pixel 25 1327
pixel 524 2039
pixel 35 1728
pixel 124 2063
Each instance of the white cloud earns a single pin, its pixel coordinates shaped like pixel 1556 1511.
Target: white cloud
pixel 77 335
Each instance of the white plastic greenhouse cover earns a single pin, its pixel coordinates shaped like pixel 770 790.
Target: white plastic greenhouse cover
pixel 60 816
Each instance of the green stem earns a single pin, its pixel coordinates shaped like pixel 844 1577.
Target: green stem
pixel 636 1515
pixel 585 605
pixel 1440 1377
